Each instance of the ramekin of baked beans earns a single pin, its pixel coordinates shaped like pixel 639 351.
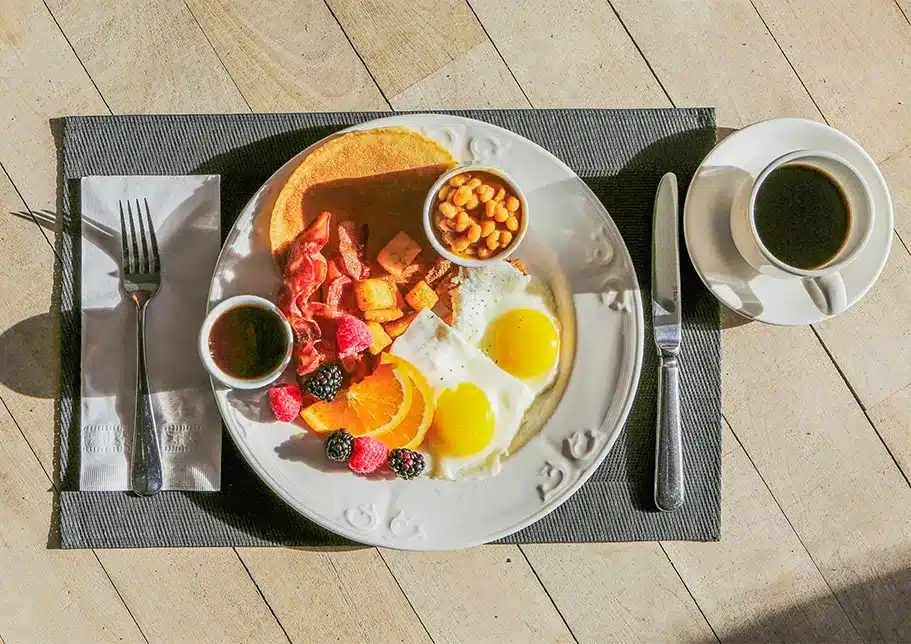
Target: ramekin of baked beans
pixel 474 215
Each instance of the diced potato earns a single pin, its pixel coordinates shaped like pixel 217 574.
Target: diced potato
pixel 518 263
pixel 421 296
pixel 398 254
pixel 374 294
pixel 383 315
pixel 411 276
pixel 398 327
pixel 381 339
pixel 437 271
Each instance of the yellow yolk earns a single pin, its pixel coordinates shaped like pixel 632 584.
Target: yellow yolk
pixel 463 423
pixel 523 342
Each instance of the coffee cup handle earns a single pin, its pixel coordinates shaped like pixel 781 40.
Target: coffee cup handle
pixel 828 293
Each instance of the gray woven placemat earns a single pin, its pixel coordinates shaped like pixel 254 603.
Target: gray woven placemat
pixel 621 154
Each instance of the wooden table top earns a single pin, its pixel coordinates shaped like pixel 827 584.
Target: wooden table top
pixel 816 536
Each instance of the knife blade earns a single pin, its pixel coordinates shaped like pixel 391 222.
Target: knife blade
pixel 669 484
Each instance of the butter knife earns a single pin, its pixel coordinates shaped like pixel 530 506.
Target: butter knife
pixel 669 487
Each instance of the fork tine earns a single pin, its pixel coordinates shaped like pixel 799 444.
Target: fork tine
pixel 124 246
pixel 145 264
pixel 155 257
pixel 135 263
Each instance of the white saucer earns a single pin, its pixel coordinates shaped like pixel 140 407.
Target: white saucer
pixel 706 221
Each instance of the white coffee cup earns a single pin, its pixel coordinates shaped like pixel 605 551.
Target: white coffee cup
pixel 824 283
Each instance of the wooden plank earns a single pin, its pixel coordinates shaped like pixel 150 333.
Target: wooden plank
pixel 287 55
pixel 618 592
pixel 191 595
pixel 147 57
pixel 740 70
pixel 759 583
pixel 897 171
pixel 827 468
pixel 344 596
pixel 477 79
pixel 853 58
pixel 871 342
pixel 402 42
pixel 40 79
pixel 486 594
pixel 47 595
pixel 570 54
pixel 892 418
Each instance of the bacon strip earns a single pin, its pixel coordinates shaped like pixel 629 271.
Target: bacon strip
pixel 352 245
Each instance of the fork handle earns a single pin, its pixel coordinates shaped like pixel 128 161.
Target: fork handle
pixel 145 460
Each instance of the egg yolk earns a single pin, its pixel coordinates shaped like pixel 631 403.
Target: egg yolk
pixel 463 423
pixel 523 342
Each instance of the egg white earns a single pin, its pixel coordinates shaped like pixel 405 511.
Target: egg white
pixel 447 360
pixel 487 292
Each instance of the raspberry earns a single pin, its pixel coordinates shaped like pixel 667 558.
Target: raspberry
pixel 351 336
pixel 339 445
pixel 406 463
pixel 286 401
pixel 368 455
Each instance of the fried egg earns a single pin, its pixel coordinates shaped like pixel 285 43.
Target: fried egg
pixel 512 318
pixel 478 406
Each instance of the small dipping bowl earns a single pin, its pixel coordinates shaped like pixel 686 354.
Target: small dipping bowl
pixel 278 340
pixel 435 235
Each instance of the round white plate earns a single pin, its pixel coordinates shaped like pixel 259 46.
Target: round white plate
pixel 572 243
pixel 706 221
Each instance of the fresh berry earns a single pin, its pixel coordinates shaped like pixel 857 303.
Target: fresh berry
pixel 406 463
pixel 368 455
pixel 325 382
pixel 286 401
pixel 339 445
pixel 352 336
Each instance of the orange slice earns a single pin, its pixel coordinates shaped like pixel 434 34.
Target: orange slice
pixel 374 405
pixel 411 431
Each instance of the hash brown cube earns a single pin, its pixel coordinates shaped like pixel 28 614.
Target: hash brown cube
pixel 381 339
pixel 398 327
pixel 374 294
pixel 383 315
pixel 399 253
pixel 421 296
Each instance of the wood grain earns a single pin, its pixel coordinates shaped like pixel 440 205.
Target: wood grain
pixel 147 57
pixel 618 592
pixel 478 79
pixel 759 583
pixel 892 419
pixel 570 54
pixel 402 42
pixel 853 58
pixel 717 52
pixel 486 594
pixel 191 595
pixel 287 55
pixel 827 468
pixel 333 596
pixel 879 325
pixel 897 172
pixel 40 78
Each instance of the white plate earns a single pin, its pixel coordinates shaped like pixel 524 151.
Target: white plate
pixel 706 221
pixel 572 243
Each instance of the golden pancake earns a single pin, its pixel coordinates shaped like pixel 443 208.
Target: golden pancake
pixel 376 177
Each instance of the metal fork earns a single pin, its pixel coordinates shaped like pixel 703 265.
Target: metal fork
pixel 141 281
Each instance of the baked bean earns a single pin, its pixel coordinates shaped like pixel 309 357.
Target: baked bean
pixel 505 238
pixel 474 183
pixel 487 227
pixel 472 202
pixel 462 222
pixel 458 180
pixel 460 243
pixel 492 240
pixel 512 204
pixel 501 193
pixel 443 193
pixel 501 214
pixel 474 233
pixel 485 194
pixel 490 208
pixel 444 224
pixel 461 196
pixel 448 210
pixel 484 252
pixel 512 223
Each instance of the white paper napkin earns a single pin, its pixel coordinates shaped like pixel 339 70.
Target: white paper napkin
pixel 186 213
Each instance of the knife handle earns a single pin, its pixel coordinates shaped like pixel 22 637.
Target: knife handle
pixel 668 440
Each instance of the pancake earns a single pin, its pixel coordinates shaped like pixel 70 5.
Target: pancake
pixel 377 177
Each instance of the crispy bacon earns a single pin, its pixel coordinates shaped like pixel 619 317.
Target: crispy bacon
pixel 352 245
pixel 340 295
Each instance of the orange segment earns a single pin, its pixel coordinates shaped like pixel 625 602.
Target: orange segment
pixel 411 431
pixel 374 405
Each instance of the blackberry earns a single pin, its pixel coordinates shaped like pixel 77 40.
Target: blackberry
pixel 325 382
pixel 406 463
pixel 339 445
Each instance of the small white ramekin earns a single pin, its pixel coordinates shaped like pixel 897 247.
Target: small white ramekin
pixel 434 234
pixel 206 356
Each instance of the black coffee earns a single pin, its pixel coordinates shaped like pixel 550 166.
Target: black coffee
pixel 802 216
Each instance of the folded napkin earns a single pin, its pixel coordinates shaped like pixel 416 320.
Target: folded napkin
pixel 186 214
